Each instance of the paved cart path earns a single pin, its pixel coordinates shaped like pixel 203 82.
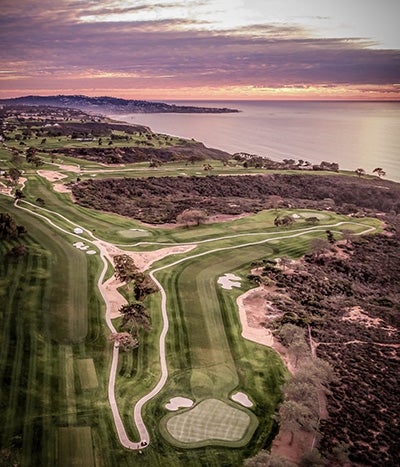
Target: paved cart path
pixel 144 437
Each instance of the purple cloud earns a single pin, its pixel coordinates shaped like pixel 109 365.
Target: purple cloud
pixel 50 41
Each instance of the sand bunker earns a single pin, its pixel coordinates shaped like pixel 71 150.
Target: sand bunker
pixel 228 281
pixel 142 261
pixel 81 246
pixel 177 403
pixel 78 230
pixel 242 398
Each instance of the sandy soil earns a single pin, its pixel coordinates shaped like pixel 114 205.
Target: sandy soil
pixel 255 310
pixel 242 398
pixel 356 313
pixel 177 403
pixel 144 259
pixel 51 175
pixel 5 190
pixel 116 300
pixel 60 188
pixel 70 168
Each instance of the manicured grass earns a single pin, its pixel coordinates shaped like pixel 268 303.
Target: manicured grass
pixel 210 422
pixel 37 376
pixel 75 447
pixel 54 358
pixel 87 373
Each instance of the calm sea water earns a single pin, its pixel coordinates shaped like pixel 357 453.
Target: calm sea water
pixel 353 134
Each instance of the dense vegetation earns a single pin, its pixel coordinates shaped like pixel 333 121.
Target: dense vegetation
pixel 323 290
pixel 162 199
pixel 191 151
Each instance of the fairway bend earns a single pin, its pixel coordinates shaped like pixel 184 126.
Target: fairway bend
pixel 141 428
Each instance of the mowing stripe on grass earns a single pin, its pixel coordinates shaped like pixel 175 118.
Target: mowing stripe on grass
pixel 87 373
pixel 75 447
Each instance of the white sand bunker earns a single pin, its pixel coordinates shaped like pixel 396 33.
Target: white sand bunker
pixel 228 281
pixel 91 252
pixel 177 403
pixel 242 398
pixel 81 246
pixel 78 230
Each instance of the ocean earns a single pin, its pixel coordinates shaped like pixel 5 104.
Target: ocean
pixel 353 134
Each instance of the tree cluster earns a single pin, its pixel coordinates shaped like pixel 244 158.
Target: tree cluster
pixel 134 314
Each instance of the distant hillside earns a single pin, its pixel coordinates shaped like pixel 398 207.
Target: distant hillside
pixel 110 104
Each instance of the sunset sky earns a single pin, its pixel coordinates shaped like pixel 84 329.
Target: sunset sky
pixel 201 49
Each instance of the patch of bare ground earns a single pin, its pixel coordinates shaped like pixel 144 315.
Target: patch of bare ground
pixel 51 175
pixel 70 168
pixel 257 312
pixel 115 299
pixel 61 188
pixel 5 190
pixel 143 260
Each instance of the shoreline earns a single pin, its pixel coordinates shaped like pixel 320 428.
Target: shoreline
pixel 261 128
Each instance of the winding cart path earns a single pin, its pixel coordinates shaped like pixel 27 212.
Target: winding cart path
pixel 144 437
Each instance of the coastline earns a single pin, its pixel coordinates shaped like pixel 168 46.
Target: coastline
pixel 353 134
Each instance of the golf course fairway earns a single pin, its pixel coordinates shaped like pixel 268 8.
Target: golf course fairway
pixel 71 396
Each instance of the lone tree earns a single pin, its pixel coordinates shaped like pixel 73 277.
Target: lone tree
pixel 143 286
pixel 360 172
pixel 14 174
pixel 330 237
pixel 124 340
pixel 274 201
pixel 313 220
pixel 135 316
pixel 192 217
pixel 379 171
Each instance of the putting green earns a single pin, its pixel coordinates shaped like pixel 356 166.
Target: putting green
pixel 210 421
pixel 133 233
